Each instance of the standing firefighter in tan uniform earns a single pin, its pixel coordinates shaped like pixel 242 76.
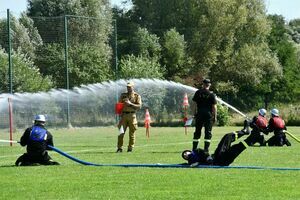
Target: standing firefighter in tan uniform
pixel 132 102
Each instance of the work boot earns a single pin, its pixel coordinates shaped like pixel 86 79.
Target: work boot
pixel 246 128
pixel 246 131
pixel 206 147
pixel 195 144
pixel 206 152
pixel 19 160
pixel 119 150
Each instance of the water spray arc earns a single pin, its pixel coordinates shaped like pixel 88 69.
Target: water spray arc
pixel 99 99
pixel 230 106
pixel 9 141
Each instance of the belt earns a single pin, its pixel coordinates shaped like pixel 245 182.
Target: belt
pixel 128 112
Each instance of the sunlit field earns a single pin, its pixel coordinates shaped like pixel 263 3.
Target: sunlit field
pixel 71 180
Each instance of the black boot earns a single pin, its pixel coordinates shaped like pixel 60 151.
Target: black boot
pixel 20 160
pixel 206 147
pixel 195 145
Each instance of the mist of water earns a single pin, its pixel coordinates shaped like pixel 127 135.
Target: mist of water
pixel 91 105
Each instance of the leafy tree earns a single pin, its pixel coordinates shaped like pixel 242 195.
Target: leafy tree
pixel 294 30
pixel 26 76
pixel 159 16
pixel 287 53
pixel 87 64
pixel 254 82
pixel 24 36
pixel 140 67
pixel 146 44
pixel 35 38
pixel 82 28
pixel 89 28
pixel 126 28
pixel 174 54
pixel 50 60
pixel 224 28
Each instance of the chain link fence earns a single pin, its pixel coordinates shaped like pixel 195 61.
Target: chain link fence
pixel 64 52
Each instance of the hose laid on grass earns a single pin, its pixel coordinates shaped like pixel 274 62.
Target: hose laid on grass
pixel 71 157
pixel 292 136
pixel 158 165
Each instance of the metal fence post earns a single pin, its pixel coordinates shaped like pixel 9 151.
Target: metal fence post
pixel 116 63
pixel 67 69
pixel 10 73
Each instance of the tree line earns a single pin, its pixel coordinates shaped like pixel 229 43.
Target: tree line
pixel 252 58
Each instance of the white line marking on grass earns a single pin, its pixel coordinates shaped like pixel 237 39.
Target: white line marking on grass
pixel 9 156
pixel 112 148
pixel 146 145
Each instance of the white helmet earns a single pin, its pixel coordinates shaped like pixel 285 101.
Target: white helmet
pixel 40 118
pixel 262 112
pixel 275 112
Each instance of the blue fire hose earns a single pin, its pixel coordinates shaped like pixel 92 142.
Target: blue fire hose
pixel 158 165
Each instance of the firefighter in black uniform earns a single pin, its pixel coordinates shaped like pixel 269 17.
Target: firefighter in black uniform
pixel 36 138
pixel 224 155
pixel 259 124
pixel 205 113
pixel 277 125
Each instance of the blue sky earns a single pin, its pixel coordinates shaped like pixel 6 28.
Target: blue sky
pixel 290 9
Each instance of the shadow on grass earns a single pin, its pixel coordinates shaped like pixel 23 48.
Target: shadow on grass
pixel 124 152
pixel 94 152
pixel 81 146
pixel 257 145
pixel 8 166
pixel 168 152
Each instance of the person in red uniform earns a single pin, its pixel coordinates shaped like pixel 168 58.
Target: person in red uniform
pixel 36 138
pixel 277 125
pixel 259 124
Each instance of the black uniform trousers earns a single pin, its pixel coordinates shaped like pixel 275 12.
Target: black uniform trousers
pixel 207 123
pixel 279 139
pixel 257 137
pixel 31 159
pixel 225 153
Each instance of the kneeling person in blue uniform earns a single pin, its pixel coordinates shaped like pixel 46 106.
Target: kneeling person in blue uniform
pixel 37 139
pixel 224 155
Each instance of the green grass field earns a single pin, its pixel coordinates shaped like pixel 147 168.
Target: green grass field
pixel 71 180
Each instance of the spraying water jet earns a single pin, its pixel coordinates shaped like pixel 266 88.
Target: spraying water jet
pixel 93 105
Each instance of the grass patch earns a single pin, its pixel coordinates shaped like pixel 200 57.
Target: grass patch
pixel 74 181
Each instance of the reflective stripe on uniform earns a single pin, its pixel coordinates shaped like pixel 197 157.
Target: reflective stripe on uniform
pixel 207 140
pixel 196 140
pixel 245 144
pixel 235 135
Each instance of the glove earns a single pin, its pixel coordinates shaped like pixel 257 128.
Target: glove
pixel 194 164
pixel 210 160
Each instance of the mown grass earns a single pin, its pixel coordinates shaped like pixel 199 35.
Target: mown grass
pixel 71 180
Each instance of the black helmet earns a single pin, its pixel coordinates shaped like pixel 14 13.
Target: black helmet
pixel 206 81
pixel 185 154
